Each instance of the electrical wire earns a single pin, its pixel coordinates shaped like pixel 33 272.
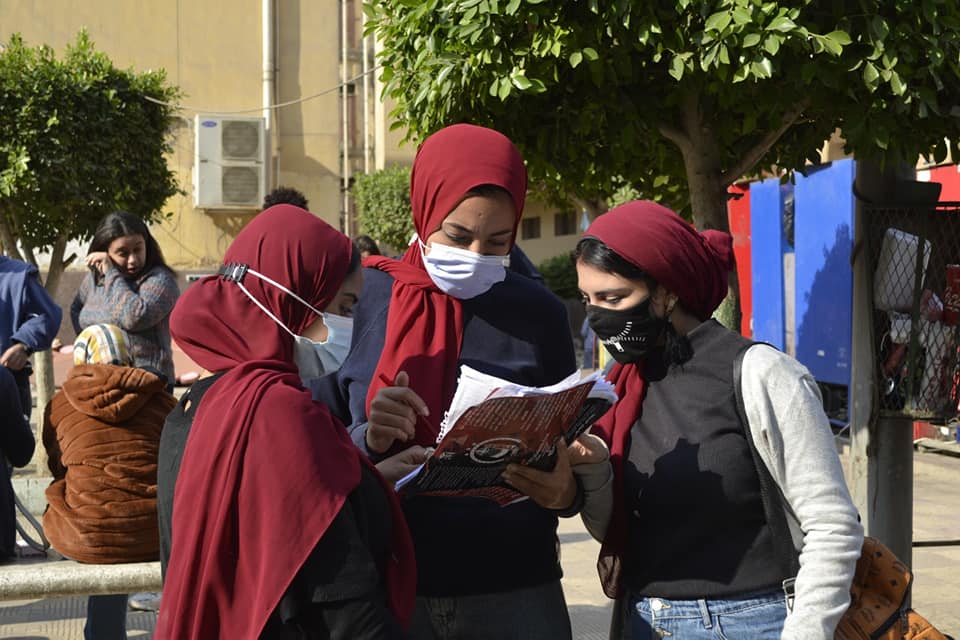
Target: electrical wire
pixel 273 106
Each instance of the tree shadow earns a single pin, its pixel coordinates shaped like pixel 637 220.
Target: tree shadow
pixel 681 487
pixel 824 331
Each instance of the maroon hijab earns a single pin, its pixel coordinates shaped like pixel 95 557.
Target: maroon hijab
pixel 425 325
pixel 690 264
pixel 266 469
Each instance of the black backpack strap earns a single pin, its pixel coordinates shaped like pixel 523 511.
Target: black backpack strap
pixel 773 504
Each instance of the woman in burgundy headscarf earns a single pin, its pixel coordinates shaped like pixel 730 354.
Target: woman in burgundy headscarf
pixel 281 528
pixel 483 571
pixel 687 543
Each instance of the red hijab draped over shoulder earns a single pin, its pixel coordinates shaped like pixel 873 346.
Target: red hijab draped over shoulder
pixel 425 325
pixel 266 469
pixel 691 264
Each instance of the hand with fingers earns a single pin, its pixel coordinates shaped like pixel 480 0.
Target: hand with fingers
pixel 588 449
pixel 555 489
pixel 98 260
pixel 400 464
pixel 16 357
pixel 393 415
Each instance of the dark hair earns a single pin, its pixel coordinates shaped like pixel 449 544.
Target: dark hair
pixel 599 256
pixel 488 190
pixel 367 244
pixel 591 251
pixel 285 195
pixel 119 224
pixel 354 260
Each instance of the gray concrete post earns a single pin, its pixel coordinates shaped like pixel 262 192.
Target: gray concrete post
pixel 881 451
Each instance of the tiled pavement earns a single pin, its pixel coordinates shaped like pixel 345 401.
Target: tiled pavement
pixel 935 595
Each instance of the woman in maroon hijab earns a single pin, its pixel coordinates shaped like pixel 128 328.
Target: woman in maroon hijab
pixel 690 545
pixel 484 571
pixel 281 528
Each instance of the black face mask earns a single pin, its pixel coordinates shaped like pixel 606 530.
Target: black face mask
pixel 627 334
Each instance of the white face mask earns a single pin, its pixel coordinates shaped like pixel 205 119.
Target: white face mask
pixel 313 359
pixel 460 273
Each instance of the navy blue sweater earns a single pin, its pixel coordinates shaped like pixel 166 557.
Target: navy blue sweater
pixel 517 331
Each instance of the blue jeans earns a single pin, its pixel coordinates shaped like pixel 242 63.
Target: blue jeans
pixel 534 613
pixel 757 616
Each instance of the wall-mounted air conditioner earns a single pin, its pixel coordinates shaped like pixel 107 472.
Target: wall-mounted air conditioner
pixel 228 169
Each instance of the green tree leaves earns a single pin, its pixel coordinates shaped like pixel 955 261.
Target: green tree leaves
pixel 79 139
pixel 600 93
pixel 383 205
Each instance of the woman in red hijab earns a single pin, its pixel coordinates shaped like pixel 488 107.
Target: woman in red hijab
pixel 483 571
pixel 689 543
pixel 281 528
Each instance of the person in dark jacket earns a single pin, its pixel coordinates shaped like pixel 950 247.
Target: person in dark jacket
pixel 16 449
pixel 449 301
pixel 29 321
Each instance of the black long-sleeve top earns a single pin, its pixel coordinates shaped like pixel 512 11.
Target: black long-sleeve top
pixel 338 593
pixel 517 331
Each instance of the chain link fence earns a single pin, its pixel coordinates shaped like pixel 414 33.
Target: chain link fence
pixel 914 256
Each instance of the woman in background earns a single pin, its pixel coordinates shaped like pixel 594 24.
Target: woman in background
pixel 130 286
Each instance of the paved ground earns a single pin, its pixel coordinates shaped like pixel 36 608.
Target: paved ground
pixel 936 589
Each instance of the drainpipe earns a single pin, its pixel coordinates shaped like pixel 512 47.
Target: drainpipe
pixel 345 123
pixel 269 69
pixel 366 106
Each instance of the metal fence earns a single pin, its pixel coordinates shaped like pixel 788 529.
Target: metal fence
pixel 915 284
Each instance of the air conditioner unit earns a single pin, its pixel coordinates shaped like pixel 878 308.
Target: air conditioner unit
pixel 228 168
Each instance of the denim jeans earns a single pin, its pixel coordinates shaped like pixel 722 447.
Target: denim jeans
pixel 757 616
pixel 106 618
pixel 534 613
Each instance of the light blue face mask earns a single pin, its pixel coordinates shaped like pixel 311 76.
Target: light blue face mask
pixel 313 359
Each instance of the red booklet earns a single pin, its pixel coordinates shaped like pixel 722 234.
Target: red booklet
pixel 510 425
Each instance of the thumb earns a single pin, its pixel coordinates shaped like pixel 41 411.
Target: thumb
pixel 402 380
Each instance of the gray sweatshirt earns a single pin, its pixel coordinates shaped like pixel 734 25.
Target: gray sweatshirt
pixel 793 437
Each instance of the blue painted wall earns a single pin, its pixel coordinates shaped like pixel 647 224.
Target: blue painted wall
pixel 824 280
pixel 768 246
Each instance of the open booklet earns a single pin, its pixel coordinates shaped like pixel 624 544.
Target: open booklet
pixel 493 422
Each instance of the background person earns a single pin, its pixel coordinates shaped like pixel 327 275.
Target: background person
pixel 29 321
pixel 16 449
pixel 273 524
pixel 101 433
pixel 284 195
pixel 130 286
pixel 367 246
pixel 484 571
pixel 688 545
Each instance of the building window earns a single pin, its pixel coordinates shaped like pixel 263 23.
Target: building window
pixel 564 223
pixel 529 228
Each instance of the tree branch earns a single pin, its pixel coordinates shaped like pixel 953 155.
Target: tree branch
pixel 6 237
pixel 28 253
pixel 753 156
pixel 676 136
pixel 57 264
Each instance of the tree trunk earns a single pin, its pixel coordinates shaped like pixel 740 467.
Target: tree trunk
pixel 708 200
pixel 43 379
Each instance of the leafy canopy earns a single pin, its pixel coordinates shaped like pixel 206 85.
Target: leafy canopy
pixel 79 139
pixel 383 205
pixel 598 93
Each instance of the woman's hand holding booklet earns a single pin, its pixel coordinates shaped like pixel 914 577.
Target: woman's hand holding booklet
pixel 492 423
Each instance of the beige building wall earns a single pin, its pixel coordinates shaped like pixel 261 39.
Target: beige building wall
pixel 554 239
pixel 212 49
